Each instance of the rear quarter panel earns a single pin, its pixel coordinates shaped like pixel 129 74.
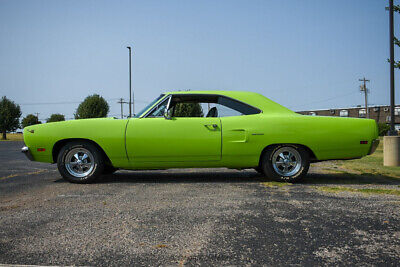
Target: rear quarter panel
pixel 245 137
pixel 327 137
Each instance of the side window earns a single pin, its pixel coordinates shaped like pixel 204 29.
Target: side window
pixel 208 106
pixel 188 109
pixel 159 110
pixel 224 111
pixel 229 107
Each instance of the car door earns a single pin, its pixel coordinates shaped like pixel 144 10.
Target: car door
pixel 158 139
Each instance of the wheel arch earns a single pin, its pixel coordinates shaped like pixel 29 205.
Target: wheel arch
pixel 59 144
pixel 311 154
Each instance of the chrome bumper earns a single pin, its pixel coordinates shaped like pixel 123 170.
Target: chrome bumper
pixel 27 153
pixel 374 145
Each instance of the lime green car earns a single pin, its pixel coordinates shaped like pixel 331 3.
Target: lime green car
pixel 201 129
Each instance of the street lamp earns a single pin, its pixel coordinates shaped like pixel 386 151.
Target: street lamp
pixel 130 81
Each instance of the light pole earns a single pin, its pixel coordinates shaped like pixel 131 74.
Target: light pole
pixel 392 131
pixel 130 81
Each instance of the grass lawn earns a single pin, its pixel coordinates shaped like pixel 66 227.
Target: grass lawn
pixel 14 137
pixel 372 164
pixel 359 190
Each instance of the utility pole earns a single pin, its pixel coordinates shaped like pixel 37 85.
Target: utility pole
pixel 130 81
pixel 363 88
pixel 121 101
pixel 392 131
pixel 37 115
pixel 391 143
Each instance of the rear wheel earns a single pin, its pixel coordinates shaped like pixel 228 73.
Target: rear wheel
pixel 108 169
pixel 285 163
pixel 80 162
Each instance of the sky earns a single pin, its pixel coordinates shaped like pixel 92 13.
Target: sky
pixel 305 55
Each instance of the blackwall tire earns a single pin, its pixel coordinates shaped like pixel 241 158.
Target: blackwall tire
pixel 109 170
pixel 80 162
pixel 285 163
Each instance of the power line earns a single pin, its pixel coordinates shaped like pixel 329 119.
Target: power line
pixel 72 102
pixel 324 100
pixel 60 103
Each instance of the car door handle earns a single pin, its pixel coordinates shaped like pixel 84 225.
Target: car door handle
pixel 212 127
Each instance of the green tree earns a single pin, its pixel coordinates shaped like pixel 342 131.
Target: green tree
pixel 94 106
pixel 29 120
pixel 56 117
pixel 9 116
pixel 383 128
pixel 188 110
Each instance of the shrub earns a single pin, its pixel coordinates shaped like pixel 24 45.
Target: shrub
pixel 383 128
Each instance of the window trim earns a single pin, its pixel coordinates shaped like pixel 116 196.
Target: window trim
pixel 230 98
pixel 216 95
pixel 362 113
pixel 156 105
pixel 347 113
pixel 397 110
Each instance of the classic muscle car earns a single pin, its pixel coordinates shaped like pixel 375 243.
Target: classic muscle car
pixel 200 129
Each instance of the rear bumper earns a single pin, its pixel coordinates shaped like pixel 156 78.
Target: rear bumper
pixel 374 145
pixel 27 153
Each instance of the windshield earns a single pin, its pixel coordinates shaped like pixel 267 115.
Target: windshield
pixel 148 106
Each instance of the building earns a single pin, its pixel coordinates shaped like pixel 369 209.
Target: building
pixel 380 114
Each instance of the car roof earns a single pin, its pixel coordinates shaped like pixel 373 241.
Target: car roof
pixel 251 98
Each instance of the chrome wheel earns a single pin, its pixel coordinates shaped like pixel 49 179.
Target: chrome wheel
pixel 286 161
pixel 79 162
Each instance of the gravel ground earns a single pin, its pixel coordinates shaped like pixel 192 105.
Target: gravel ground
pixel 191 217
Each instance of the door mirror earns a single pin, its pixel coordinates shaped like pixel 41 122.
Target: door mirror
pixel 168 111
pixel 167 114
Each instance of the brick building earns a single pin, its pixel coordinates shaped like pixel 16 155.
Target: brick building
pixel 378 113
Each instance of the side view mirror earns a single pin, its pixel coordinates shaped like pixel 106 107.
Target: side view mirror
pixel 167 114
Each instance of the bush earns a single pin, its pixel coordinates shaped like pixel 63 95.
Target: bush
pixel 29 120
pixel 56 117
pixel 93 106
pixel 383 128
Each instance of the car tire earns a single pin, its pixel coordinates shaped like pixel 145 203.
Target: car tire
pixel 259 170
pixel 285 163
pixel 80 162
pixel 108 169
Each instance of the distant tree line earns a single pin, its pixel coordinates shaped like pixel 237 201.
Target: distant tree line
pixel 94 106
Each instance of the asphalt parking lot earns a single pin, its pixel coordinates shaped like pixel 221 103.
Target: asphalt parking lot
pixel 187 217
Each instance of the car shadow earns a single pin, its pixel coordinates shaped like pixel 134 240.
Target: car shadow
pixel 183 176
pixel 349 178
pixel 234 176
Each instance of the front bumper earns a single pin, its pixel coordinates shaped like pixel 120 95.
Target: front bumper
pixel 374 145
pixel 27 153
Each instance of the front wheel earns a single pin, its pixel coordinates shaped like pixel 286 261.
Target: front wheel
pixel 285 163
pixel 80 162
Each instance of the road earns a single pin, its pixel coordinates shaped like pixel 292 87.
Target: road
pixel 187 217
